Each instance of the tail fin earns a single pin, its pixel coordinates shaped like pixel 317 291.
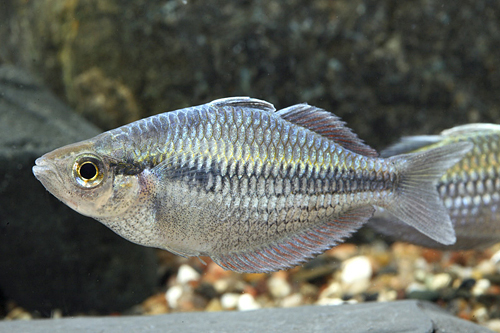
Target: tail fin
pixel 417 202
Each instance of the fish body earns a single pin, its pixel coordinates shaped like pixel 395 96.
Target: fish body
pixel 470 189
pixel 254 188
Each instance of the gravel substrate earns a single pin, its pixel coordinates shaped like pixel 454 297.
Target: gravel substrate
pixel 466 284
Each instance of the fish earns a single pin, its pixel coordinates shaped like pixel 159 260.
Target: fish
pixel 254 188
pixel 470 189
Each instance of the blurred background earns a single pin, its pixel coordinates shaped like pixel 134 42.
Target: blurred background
pixel 388 68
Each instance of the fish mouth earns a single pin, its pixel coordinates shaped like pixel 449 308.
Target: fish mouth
pixel 41 168
pixel 45 171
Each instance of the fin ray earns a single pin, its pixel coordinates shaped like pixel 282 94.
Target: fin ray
pixel 244 102
pixel 327 125
pixel 296 249
pixel 468 129
pixel 417 201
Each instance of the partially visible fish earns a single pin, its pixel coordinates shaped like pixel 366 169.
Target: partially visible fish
pixel 470 189
pixel 255 189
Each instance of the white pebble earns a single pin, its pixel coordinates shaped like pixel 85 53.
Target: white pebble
pixel 481 315
pixel 292 301
pixel 355 269
pixel 356 274
pixel 480 287
pixel 247 302
pixel 493 325
pixel 486 267
pixel 420 263
pixel 420 275
pixel 387 296
pixel 173 294
pixel 462 272
pixel 495 258
pixel 221 286
pixel 187 273
pixel 229 301
pixel 415 286
pixel 334 290
pixel 279 287
pixel 330 301
pixel 440 281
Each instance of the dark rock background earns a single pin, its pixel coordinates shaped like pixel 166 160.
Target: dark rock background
pixel 50 256
pixel 387 67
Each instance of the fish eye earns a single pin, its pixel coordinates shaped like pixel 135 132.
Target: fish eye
pixel 88 171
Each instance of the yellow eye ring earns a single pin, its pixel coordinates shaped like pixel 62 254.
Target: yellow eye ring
pixel 88 171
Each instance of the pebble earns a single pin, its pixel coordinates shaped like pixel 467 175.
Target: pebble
pixel 292 301
pixel 18 313
pixel 415 286
pixel 493 325
pixel 309 290
pixel 426 295
pixel 486 267
pixel 335 301
pixel 495 258
pixel 387 295
pixel 186 274
pixel 460 271
pixel 480 287
pixel 221 286
pixel 343 251
pixel 440 281
pixel 156 304
pixel 229 301
pixel 172 295
pixel 278 287
pixel 334 290
pixel 421 264
pixel 420 275
pixel 214 305
pixel 471 292
pixel 246 302
pixel 356 274
pixel 480 315
pixel 330 301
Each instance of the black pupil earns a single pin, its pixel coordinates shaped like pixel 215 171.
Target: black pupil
pixel 88 170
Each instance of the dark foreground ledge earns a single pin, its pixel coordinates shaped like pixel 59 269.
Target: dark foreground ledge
pixel 398 316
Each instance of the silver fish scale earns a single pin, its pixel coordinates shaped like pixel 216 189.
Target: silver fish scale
pixel 263 176
pixel 270 178
pixel 470 190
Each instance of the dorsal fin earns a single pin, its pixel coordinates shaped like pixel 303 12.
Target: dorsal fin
pixel 470 129
pixel 412 143
pixel 327 125
pixel 244 102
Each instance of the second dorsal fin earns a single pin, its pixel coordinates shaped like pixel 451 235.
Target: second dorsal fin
pixel 244 102
pixel 327 125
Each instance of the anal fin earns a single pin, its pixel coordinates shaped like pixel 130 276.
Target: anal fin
pixel 293 250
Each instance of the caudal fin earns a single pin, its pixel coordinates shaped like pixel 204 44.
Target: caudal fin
pixel 417 202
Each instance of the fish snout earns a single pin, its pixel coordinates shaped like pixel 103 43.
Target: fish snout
pixel 44 170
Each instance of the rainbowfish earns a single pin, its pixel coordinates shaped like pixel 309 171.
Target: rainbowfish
pixel 253 188
pixel 469 189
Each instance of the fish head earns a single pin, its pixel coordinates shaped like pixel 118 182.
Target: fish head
pixel 83 177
